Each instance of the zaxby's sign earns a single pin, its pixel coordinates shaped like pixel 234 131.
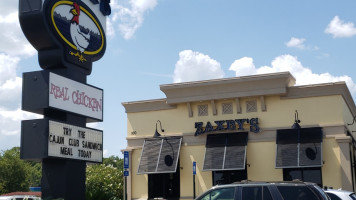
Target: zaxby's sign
pixel 68 33
pixel 227 125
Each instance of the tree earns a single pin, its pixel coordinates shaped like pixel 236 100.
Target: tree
pixel 104 182
pixel 17 174
pixel 115 161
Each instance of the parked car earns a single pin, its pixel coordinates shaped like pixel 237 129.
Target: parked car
pixel 340 194
pixel 19 197
pixel 248 190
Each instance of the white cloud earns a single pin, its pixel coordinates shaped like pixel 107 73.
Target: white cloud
pixel 130 16
pixel 299 43
pixel 10 93
pixel 303 75
pixel 339 28
pixel 243 66
pixel 296 43
pixel 194 66
pixel 8 6
pixel 12 40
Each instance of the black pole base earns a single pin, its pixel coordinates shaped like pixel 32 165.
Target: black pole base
pixel 63 179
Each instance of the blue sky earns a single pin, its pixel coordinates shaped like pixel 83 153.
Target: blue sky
pixel 154 42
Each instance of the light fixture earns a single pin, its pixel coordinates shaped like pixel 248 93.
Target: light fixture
pixel 156 132
pixel 168 159
pixel 309 152
pixel 296 121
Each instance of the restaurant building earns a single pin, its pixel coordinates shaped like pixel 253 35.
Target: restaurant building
pixel 260 128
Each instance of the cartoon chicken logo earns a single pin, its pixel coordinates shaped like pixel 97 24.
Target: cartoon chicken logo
pixel 80 39
pixel 79 29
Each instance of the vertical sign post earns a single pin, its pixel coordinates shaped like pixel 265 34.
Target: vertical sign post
pixel 194 173
pixel 126 173
pixel 69 36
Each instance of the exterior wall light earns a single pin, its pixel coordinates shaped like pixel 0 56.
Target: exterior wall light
pixel 156 132
pixel 296 121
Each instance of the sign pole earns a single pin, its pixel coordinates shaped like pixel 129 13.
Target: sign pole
pixel 126 173
pixel 125 187
pixel 194 173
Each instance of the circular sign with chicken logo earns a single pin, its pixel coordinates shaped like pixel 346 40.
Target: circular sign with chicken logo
pixel 66 33
pixel 78 28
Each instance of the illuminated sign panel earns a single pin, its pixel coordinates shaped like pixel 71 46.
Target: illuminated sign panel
pixel 68 141
pixel 72 96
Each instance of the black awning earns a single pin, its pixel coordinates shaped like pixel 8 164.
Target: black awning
pixel 159 155
pixel 225 151
pixel 299 148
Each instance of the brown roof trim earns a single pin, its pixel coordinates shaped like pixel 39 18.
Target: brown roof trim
pixel 325 89
pixel 149 105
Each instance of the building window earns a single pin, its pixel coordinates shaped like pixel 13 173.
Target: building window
pixel 229 176
pixel 225 151
pixel 227 108
pixel 202 110
pixel 251 106
pixel 308 174
pixel 299 148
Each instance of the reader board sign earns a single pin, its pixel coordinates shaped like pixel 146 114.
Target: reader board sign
pixel 68 141
pixel 75 97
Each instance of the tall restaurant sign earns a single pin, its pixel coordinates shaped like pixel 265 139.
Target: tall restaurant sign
pixel 69 36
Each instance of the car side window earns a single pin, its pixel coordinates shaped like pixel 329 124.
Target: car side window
pixel 297 193
pixel 221 194
pixel 333 196
pixel 206 197
pixel 252 193
pixel 267 194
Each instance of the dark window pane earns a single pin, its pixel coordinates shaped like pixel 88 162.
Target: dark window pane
pixel 297 193
pixel 266 194
pixel 304 174
pixel 290 174
pixel 333 196
pixel 252 193
pixel 312 175
pixel 224 193
pixel 230 176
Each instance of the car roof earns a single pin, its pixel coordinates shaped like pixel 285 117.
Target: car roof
pixel 338 191
pixel 248 183
pixel 19 196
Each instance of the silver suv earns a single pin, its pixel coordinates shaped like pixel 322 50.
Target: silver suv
pixel 248 190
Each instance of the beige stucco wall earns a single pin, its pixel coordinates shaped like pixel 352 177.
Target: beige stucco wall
pixel 313 111
pixel 203 179
pixel 280 113
pixel 139 183
pixel 331 170
pixel 261 159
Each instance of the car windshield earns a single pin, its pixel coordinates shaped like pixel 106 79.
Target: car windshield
pixel 353 196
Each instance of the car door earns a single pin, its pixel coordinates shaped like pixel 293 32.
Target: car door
pixel 226 193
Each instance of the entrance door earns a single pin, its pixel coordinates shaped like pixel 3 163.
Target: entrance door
pixel 165 185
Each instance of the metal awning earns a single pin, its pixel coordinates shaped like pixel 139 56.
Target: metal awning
pixel 299 148
pixel 159 155
pixel 225 151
